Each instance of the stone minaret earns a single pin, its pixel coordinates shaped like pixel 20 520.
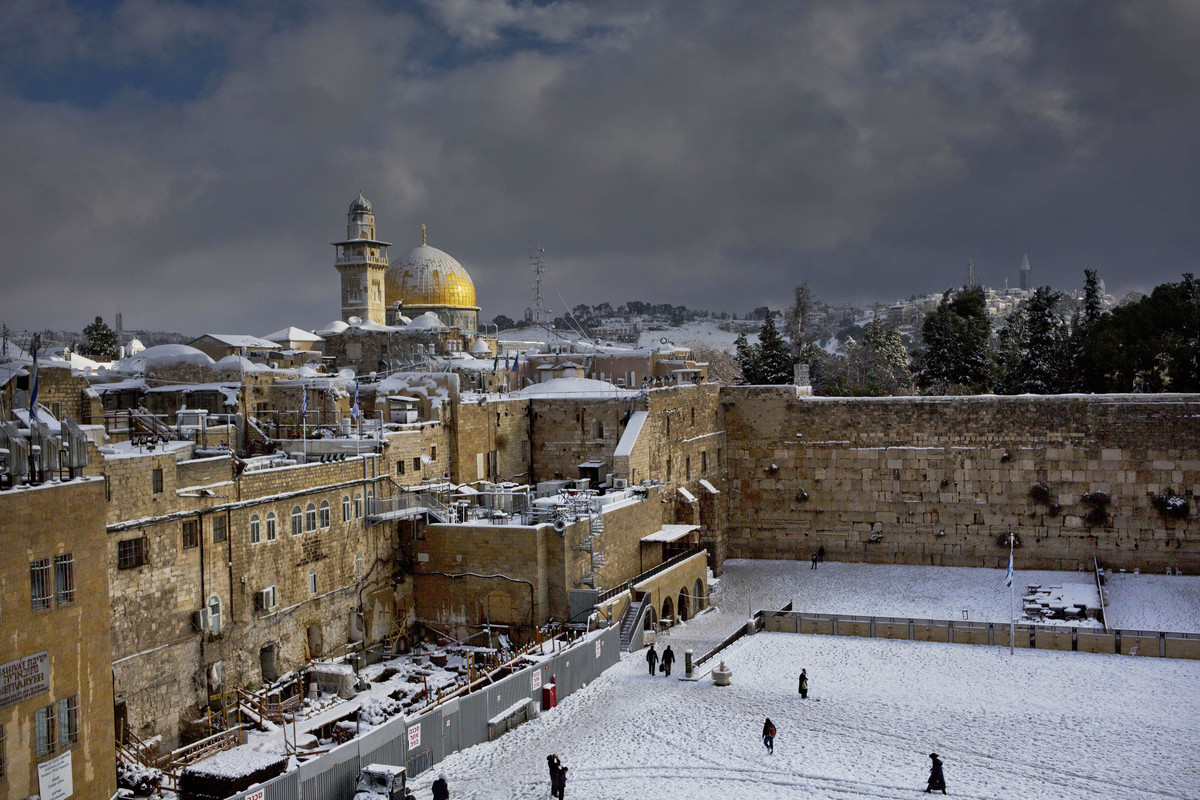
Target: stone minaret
pixel 362 261
pixel 1026 274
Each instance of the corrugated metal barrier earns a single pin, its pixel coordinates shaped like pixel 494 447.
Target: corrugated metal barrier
pixel 460 722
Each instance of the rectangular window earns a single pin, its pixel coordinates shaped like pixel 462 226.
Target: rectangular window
pixel 433 452
pixel 703 462
pixel 191 534
pixel 41 588
pixel 399 467
pixel 68 721
pixel 417 464
pixel 131 553
pixel 218 529
pixel 43 723
pixel 107 490
pixel 64 578
pixel 687 468
pixel 312 582
pixel 156 480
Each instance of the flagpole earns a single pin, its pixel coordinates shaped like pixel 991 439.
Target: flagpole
pixel 1012 600
pixel 304 419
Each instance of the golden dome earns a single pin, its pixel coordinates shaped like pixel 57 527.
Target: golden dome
pixel 425 276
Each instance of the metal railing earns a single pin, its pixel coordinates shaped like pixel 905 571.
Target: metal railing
pixel 609 594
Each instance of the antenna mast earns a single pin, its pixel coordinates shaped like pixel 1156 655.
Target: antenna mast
pixel 539 314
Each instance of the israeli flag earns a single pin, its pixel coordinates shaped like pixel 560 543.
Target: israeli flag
pixel 1008 576
pixel 303 400
pixel 33 387
pixel 354 410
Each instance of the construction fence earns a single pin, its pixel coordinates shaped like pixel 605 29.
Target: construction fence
pixel 456 723
pixel 1158 644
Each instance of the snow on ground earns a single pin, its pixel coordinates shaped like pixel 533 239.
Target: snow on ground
pixel 1153 602
pixel 704 331
pixel 1036 724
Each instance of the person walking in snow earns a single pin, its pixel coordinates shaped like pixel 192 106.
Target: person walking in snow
pixel 441 790
pixel 651 658
pixel 769 735
pixel 936 779
pixel 803 684
pixel 668 658
pixel 814 560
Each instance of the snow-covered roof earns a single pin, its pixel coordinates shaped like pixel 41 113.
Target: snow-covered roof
pixel 240 363
pixel 165 354
pixel 568 388
pixel 427 320
pixel 10 370
pixel 239 340
pixel 670 533
pixel 293 334
pixel 479 347
pixel 333 328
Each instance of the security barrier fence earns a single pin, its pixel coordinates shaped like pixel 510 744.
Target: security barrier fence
pixel 459 722
pixel 1159 644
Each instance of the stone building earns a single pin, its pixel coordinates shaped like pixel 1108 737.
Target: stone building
pixel 56 702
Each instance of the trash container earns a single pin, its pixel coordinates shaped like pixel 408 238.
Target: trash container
pixel 549 697
pixel 687 663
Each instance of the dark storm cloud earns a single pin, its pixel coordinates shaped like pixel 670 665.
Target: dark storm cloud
pixel 711 154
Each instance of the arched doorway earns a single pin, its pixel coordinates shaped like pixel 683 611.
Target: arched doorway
pixel 698 596
pixel 683 604
pixel 668 612
pixel 650 620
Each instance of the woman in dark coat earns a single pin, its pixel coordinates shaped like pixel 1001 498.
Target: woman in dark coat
pixel 936 779
pixel 441 790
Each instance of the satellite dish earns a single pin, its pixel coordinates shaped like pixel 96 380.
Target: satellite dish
pixel 483 401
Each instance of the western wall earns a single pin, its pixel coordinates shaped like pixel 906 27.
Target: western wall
pixel 942 480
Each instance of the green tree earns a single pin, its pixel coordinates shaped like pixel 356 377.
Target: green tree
pixel 878 366
pixel 101 341
pixel 1034 355
pixel 1084 341
pixel 957 358
pixel 770 361
pixel 1153 343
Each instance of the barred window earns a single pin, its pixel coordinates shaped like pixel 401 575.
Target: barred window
pixel 64 578
pixel 271 527
pixel 43 723
pixel 68 721
pixel 131 553
pixel 156 483
pixel 41 588
pixel 310 517
pixel 297 521
pixel 358 506
pixel 255 530
pixel 324 513
pixel 191 534
pixel 218 529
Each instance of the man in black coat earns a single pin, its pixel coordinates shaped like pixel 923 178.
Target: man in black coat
pixel 441 790
pixel 668 658
pixel 558 783
pixel 651 658
pixel 803 684
pixel 555 767
pixel 936 779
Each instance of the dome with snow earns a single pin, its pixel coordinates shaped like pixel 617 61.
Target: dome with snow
pixel 361 205
pixel 240 363
pixel 574 387
pixel 333 328
pixel 163 354
pixel 428 320
pixel 480 348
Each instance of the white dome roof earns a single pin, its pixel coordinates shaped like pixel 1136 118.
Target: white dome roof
pixel 333 328
pixel 480 348
pixel 427 320
pixel 574 387
pixel 168 354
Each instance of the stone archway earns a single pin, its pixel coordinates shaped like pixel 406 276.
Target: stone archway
pixel 668 612
pixel 684 606
pixel 698 597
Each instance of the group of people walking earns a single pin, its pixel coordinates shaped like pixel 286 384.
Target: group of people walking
pixel 664 664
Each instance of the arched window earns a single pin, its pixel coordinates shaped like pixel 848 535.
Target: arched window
pixel 214 615
pixel 324 513
pixel 271 527
pixel 255 530
pixel 597 429
pixel 358 506
pixel 345 508
pixel 310 517
pixel 297 521
pixel 312 581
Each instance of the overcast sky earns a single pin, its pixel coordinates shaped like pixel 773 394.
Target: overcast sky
pixel 190 163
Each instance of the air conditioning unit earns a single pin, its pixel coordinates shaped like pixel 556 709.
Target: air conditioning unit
pixel 620 483
pixel 264 600
pixel 200 619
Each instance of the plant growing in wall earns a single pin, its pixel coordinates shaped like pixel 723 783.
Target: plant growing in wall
pixel 802 496
pixel 1171 505
pixel 1040 493
pixel 1003 539
pixel 1097 504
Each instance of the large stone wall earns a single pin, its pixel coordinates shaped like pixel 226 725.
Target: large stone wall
pixel 500 427
pixel 938 480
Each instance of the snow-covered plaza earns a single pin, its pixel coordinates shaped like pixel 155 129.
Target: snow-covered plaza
pixel 1035 724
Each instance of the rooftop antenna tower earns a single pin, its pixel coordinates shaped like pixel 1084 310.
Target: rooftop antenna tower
pixel 971 272
pixel 539 314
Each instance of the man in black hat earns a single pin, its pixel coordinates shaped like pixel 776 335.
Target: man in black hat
pixel 936 779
